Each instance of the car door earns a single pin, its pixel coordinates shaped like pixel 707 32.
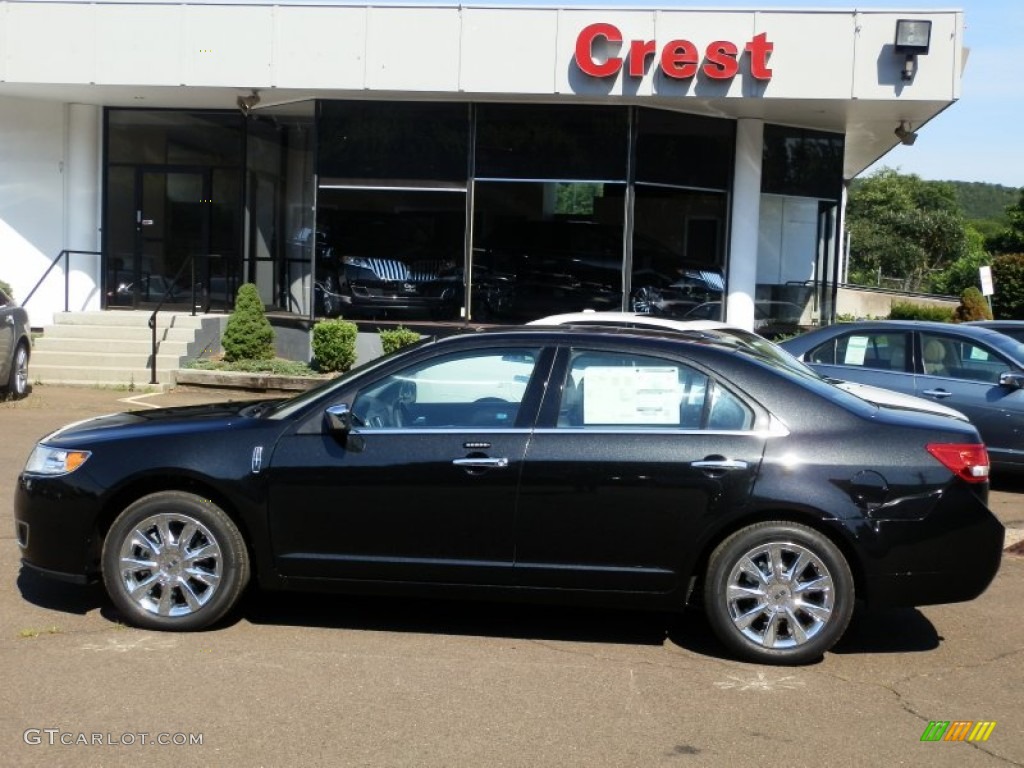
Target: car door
pixel 964 374
pixel 880 357
pixel 633 456
pixel 423 486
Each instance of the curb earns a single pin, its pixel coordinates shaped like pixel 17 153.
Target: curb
pixel 252 381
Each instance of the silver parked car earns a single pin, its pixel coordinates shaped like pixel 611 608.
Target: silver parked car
pixel 974 369
pixel 15 347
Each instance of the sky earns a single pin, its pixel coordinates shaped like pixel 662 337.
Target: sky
pixel 980 137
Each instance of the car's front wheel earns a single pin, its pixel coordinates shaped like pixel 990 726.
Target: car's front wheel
pixel 778 593
pixel 174 561
pixel 17 383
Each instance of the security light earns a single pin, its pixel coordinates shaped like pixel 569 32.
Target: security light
pixel 913 38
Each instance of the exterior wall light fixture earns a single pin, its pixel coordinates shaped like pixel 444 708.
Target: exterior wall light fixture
pixel 913 37
pixel 904 134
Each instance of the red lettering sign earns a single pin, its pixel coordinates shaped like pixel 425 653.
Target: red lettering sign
pixel 679 59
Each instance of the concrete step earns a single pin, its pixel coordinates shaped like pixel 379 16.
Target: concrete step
pixel 97 375
pixel 101 359
pixel 126 318
pixel 128 333
pixel 134 346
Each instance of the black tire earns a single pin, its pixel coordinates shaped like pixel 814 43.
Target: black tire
pixel 788 615
pixel 17 381
pixel 174 561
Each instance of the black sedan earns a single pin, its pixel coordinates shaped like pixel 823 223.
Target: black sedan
pixel 976 370
pixel 15 346
pixel 601 466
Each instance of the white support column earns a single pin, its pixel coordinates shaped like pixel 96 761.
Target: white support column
pixel 746 215
pixel 82 175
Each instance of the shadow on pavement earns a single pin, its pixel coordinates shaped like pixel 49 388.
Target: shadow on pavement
pixel 58 595
pixel 899 630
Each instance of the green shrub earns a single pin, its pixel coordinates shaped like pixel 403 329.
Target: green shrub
pixel 334 345
pixel 6 288
pixel 972 306
pixel 908 310
pixel 397 338
pixel 1008 280
pixel 248 335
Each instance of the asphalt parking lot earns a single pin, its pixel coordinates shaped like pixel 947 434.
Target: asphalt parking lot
pixel 325 680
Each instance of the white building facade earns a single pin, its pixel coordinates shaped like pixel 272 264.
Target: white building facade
pixel 447 163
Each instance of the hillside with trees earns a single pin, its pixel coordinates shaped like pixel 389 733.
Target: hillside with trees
pixel 932 236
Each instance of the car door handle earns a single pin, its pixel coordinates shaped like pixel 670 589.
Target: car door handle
pixel 481 462
pixel 939 393
pixel 720 464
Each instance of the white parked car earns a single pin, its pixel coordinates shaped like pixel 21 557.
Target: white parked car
pixel 758 344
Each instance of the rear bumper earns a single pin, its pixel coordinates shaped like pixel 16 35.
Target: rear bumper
pixel 950 556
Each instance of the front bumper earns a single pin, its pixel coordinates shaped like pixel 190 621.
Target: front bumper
pixel 55 522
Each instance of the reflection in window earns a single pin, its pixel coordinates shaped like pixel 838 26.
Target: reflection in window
pixel 477 390
pixel 802 163
pixel 607 389
pixel 546 247
pixel 391 253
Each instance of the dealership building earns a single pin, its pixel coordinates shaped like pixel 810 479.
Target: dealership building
pixel 448 163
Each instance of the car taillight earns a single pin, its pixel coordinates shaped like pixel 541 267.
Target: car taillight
pixel 967 460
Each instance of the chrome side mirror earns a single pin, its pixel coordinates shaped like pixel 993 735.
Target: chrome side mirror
pixel 1011 380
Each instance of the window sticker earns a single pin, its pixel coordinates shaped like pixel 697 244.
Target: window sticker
pixel 977 353
pixel 643 395
pixel 856 348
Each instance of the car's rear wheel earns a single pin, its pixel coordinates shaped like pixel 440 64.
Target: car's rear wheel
pixel 17 382
pixel 174 561
pixel 778 593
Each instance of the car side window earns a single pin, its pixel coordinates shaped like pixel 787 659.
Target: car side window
pixel 880 350
pixel 611 389
pixel 473 390
pixel 957 358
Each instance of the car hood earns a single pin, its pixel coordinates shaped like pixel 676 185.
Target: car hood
pixel 891 399
pixel 190 418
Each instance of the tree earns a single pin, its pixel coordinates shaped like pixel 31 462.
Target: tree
pixel 248 335
pixel 963 273
pixel 972 307
pixel 1011 239
pixel 901 225
pixel 1008 278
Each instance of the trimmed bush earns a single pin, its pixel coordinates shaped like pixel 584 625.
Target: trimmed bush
pixel 972 306
pixel 248 335
pixel 1008 277
pixel 908 310
pixel 397 338
pixel 334 345
pixel 6 288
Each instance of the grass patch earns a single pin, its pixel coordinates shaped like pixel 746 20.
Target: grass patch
pixel 30 633
pixel 275 366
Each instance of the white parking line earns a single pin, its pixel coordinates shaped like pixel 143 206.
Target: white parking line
pixel 135 399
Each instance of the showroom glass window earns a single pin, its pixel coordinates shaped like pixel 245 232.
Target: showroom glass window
pixel 549 209
pixel 683 171
pixel 391 209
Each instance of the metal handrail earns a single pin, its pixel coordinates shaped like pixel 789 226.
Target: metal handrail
pixel 152 318
pixel 66 255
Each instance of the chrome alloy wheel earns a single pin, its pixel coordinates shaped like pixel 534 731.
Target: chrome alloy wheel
pixel 170 564
pixel 780 595
pixel 20 377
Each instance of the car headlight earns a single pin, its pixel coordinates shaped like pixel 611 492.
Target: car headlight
pixel 45 460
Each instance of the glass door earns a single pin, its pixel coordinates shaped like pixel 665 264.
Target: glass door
pixel 172 236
